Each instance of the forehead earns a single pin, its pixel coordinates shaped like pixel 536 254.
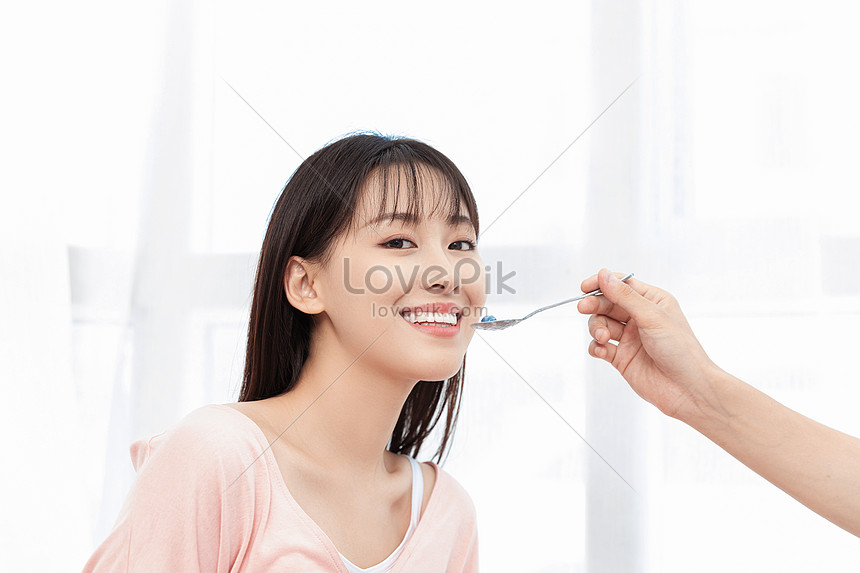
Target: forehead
pixel 410 196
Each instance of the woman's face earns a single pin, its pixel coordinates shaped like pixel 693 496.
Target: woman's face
pixel 385 268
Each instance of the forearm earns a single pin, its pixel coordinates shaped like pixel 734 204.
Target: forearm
pixel 817 465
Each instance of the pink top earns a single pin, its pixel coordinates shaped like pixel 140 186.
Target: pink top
pixel 195 507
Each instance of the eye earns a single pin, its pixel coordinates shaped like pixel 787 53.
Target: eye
pixel 398 243
pixel 464 245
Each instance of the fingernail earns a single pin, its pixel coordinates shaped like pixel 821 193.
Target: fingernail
pixel 598 334
pixel 613 278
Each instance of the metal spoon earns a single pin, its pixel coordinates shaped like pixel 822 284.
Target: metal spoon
pixel 490 322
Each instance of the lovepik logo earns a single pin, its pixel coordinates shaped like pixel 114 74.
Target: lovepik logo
pixel 380 275
pixel 386 311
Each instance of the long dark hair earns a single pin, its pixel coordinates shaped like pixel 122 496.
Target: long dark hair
pixel 316 207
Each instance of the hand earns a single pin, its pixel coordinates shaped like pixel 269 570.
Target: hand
pixel 657 352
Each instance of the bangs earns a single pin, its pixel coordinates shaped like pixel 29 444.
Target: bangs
pixel 405 185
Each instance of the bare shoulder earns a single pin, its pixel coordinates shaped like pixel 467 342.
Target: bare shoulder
pixel 244 407
pixel 257 412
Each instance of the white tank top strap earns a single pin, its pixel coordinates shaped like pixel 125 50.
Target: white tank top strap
pixel 417 493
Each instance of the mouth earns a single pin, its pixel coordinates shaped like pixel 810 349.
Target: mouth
pixel 441 324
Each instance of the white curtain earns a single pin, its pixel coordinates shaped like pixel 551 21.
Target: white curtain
pixel 706 148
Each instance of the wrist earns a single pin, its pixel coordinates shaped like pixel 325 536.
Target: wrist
pixel 709 406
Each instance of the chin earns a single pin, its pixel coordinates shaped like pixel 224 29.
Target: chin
pixel 452 371
pixel 437 371
pixel 440 377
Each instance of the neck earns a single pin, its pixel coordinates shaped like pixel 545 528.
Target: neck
pixel 342 411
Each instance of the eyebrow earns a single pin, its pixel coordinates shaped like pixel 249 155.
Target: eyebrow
pixel 413 220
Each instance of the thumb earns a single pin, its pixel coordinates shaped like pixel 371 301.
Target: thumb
pixel 623 295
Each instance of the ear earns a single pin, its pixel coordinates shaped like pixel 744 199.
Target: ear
pixel 299 286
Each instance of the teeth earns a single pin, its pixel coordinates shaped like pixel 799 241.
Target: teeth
pixel 437 317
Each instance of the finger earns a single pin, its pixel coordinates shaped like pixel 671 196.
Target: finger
pixel 603 329
pixel 602 351
pixel 604 306
pixel 625 296
pixel 591 283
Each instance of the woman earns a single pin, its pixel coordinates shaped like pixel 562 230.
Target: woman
pixel 368 281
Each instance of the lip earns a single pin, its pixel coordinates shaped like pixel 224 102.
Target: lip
pixel 438 331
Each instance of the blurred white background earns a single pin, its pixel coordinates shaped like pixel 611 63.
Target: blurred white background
pixel 144 144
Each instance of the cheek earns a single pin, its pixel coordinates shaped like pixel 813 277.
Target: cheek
pixel 379 280
pixel 470 272
pixel 362 278
pixel 473 280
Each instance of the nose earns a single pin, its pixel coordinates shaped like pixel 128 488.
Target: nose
pixel 438 274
